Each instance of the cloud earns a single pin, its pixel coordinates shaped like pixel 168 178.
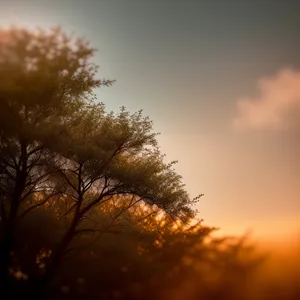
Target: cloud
pixel 276 108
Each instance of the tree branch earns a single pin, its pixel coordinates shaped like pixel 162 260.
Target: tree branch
pixel 37 205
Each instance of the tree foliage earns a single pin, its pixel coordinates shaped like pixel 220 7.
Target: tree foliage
pixel 58 144
pixel 136 252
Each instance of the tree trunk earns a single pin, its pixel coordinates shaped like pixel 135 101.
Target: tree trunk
pixel 40 284
pixel 6 244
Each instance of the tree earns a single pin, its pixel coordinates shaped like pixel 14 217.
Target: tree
pixel 107 155
pixel 45 78
pixel 57 143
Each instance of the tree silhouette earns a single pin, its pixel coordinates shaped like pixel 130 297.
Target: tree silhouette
pixel 46 77
pixel 142 256
pixel 58 144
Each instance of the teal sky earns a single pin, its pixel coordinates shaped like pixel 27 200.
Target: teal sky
pixel 188 64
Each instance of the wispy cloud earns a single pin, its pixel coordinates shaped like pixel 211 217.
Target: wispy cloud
pixel 273 109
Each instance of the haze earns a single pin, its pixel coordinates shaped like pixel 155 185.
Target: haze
pixel 221 80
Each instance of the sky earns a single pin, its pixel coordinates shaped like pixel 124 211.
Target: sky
pixel 221 81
